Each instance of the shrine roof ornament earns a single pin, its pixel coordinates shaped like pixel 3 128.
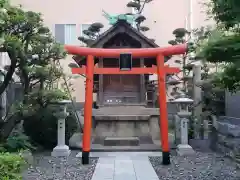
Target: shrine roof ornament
pixel 113 19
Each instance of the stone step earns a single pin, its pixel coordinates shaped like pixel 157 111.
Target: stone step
pixel 121 141
pixel 126 111
pixel 120 110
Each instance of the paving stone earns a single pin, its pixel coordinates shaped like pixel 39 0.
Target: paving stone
pixel 104 165
pixel 144 170
pixel 125 165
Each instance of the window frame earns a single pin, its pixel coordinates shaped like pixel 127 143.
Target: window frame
pixel 70 24
pixel 64 32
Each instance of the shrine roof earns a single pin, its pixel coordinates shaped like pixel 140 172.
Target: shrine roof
pixel 121 27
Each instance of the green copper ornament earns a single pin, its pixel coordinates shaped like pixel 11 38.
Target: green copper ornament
pixel 114 18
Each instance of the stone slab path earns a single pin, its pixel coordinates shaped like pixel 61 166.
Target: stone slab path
pixel 124 165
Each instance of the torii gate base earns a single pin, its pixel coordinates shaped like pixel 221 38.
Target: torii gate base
pixel 161 71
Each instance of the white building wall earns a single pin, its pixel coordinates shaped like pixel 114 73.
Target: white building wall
pixel 162 18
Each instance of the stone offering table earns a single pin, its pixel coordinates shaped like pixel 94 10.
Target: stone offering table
pixel 127 126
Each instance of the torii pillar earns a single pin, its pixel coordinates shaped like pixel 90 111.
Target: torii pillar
pixel 160 70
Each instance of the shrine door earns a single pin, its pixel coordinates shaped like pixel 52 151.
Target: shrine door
pixel 121 89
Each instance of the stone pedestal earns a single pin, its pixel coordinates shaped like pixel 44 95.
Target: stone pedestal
pixel 61 150
pixel 184 148
pixel 76 141
pixel 134 125
pixel 121 126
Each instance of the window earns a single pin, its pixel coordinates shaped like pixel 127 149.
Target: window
pixel 66 34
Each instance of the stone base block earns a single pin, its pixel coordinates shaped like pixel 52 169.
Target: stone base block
pixel 76 141
pixel 185 149
pixel 61 151
pixel 126 128
pixel 121 141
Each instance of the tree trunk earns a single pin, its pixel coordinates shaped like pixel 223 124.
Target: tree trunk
pixel 8 126
pixel 11 122
pixel 41 84
pixel 26 87
pixel 25 84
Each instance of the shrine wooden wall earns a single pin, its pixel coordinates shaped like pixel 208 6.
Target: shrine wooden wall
pixel 121 89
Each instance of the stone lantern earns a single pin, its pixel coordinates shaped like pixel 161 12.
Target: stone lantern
pixel 183 115
pixel 183 103
pixel 60 111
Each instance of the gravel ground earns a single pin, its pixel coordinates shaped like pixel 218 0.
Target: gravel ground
pixel 46 167
pixel 201 166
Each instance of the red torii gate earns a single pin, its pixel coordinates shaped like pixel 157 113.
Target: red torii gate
pixel 160 70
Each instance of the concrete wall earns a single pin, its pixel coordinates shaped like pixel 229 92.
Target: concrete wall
pixel 232 104
pixel 225 137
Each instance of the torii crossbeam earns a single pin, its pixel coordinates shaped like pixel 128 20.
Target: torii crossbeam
pixel 160 70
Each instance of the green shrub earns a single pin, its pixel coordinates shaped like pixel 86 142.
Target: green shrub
pixel 42 128
pixel 16 142
pixel 11 166
pixel 2 148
